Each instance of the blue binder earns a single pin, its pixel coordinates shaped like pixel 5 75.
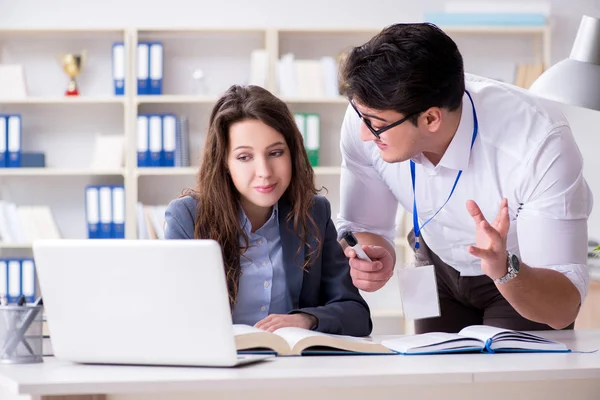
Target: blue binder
pixel 143 141
pixel 155 141
pixel 14 141
pixel 118 68
pixel 14 280
pixel 3 140
pixel 28 280
pixel 143 68
pixel 156 68
pixel 92 211
pixel 169 140
pixel 106 217
pixel 118 212
pixel 4 278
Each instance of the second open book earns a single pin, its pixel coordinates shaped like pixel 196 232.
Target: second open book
pixel 477 338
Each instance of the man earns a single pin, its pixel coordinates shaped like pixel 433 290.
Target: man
pixel 497 177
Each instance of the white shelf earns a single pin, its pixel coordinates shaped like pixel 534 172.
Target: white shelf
pixel 447 28
pixel 166 171
pixel 316 100
pixel 191 99
pixel 68 100
pixel 327 170
pixel 185 171
pixel 15 245
pixel 197 29
pixel 57 172
pixel 175 99
pixel 61 30
pixel 330 29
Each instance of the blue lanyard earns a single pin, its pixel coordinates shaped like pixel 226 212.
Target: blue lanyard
pixel 417 229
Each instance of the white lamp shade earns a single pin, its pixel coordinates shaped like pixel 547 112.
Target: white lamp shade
pixel 575 80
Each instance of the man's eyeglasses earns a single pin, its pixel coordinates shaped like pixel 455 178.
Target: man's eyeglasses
pixel 378 132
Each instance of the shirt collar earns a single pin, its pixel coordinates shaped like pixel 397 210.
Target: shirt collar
pixel 247 225
pixel 457 154
pixel 459 151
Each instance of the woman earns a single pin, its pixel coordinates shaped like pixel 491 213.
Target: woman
pixel 256 197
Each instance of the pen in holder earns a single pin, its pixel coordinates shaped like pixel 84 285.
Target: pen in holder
pixel 21 335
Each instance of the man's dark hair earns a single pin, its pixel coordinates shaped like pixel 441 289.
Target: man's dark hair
pixel 407 68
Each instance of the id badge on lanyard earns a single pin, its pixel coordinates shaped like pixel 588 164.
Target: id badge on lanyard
pixel 418 284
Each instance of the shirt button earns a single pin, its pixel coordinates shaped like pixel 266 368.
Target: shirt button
pixel 265 263
pixel 260 241
pixel 263 308
pixel 267 284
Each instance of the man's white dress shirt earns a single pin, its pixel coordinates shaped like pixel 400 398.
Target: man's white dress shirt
pixel 524 151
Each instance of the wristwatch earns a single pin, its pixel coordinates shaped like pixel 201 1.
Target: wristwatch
pixel 514 265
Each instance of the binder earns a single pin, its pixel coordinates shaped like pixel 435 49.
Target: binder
pixel 143 139
pixel 155 124
pixel 3 141
pixel 4 279
pixel 14 280
pixel 156 68
pixel 182 147
pixel 28 280
pixel 92 211
pixel 14 141
pixel 313 138
pixel 169 139
pixel 118 212
pixel 300 119
pixel 118 68
pixel 105 195
pixel 143 68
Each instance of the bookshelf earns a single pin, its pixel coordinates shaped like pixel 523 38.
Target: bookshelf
pixel 63 127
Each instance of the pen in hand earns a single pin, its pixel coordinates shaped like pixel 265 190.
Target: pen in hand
pixel 352 242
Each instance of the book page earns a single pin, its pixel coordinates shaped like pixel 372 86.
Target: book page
pixel 301 340
pixel 482 332
pixel 239 329
pixel 433 341
pixel 249 338
pixel 293 335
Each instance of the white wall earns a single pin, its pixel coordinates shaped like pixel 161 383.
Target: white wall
pixel 152 13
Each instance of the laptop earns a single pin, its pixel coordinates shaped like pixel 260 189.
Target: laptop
pixel 140 302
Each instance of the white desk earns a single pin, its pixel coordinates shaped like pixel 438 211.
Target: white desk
pixel 459 376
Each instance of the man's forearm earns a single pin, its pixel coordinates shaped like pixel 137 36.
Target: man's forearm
pixel 543 295
pixel 371 239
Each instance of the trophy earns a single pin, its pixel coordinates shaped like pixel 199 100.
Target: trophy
pixel 72 64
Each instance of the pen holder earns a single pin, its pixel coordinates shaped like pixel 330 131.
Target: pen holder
pixel 21 335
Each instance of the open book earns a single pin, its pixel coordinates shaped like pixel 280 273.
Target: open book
pixel 298 341
pixel 473 338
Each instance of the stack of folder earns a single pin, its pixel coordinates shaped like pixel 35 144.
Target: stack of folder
pixel 162 141
pixel 105 211
pixel 10 140
pixel 309 125
pixel 17 278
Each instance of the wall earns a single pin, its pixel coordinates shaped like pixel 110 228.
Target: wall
pixel 107 13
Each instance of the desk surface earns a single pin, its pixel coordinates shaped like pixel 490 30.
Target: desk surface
pixel 60 377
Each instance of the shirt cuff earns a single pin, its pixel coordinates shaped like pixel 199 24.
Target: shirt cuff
pixel 345 226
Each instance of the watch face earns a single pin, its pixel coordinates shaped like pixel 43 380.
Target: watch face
pixel 514 262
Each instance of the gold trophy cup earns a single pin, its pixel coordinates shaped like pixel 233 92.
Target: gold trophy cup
pixel 72 64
